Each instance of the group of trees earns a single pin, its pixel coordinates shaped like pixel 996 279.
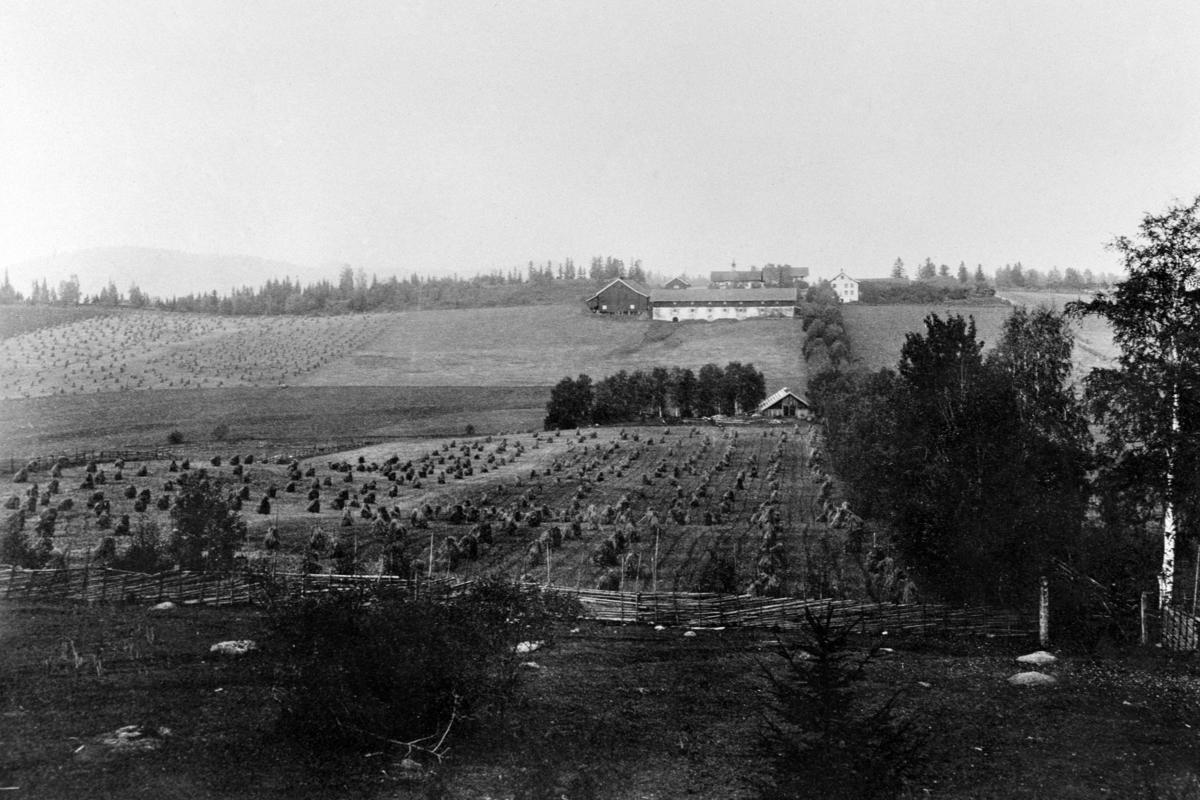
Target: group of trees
pixel 986 467
pixel 978 464
pixel 1009 276
pixel 660 392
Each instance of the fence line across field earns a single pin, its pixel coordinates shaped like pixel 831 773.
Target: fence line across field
pixel 299 449
pixel 704 610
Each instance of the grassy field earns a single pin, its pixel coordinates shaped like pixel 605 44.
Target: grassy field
pixel 261 417
pixel 573 481
pixel 531 345
pixel 517 346
pixel 18 318
pixel 877 332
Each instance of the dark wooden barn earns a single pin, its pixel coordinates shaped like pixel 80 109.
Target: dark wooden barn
pixel 622 296
pixel 784 403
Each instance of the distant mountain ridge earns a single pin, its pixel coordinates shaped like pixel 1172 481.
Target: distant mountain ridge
pixel 158 272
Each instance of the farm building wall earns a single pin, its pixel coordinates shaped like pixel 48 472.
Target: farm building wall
pixel 715 312
pixel 619 298
pixel 788 406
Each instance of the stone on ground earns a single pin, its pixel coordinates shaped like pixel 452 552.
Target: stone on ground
pixel 165 606
pixel 236 647
pixel 1032 679
pixel 1040 657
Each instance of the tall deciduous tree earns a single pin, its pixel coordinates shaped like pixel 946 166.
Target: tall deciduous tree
pixel 1150 404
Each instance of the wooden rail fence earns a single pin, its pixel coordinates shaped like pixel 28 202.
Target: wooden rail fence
pixel 101 585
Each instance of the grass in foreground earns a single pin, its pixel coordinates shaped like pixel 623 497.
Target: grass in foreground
pixel 610 712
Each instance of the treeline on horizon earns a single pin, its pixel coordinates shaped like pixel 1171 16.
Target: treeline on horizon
pixel 534 284
pixel 662 392
pixel 354 292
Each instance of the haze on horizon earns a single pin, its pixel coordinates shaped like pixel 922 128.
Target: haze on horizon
pixel 464 137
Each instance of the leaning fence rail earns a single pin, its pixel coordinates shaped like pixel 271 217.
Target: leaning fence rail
pixel 94 584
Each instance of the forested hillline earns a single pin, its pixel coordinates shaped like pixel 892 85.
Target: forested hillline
pixel 355 292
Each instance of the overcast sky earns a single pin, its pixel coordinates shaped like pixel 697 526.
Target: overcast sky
pixel 438 137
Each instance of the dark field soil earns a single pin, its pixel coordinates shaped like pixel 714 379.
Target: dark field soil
pixel 610 712
pixel 43 425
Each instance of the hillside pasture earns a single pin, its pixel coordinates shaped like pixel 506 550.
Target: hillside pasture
pixel 19 318
pixel 681 508
pixel 143 350
pixel 1094 345
pixel 515 346
pixel 540 345
pixel 258 418
pixel 877 332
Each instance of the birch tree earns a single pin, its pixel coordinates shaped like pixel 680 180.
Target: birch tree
pixel 1149 405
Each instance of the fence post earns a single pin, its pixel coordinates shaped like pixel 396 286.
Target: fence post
pixel 1145 638
pixel 1044 614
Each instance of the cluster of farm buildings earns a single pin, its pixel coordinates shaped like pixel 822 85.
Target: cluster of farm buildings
pixel 772 292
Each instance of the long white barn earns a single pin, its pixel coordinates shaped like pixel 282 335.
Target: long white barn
pixel 680 305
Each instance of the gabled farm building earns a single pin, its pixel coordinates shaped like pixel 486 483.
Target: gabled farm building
pixel 784 403
pixel 736 279
pixel 621 296
pixel 677 283
pixel 677 305
pixel 845 287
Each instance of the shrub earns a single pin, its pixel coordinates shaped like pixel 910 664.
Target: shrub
pixel 147 552
pixel 175 437
pixel 15 545
pixel 220 432
pixel 360 668
pixel 208 530
pixel 824 742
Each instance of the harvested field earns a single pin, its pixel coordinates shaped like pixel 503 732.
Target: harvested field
pixel 135 351
pixel 570 509
pixel 143 350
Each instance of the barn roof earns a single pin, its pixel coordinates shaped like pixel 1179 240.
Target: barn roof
pixel 775 398
pixel 634 285
pixel 722 295
pixel 720 276
pixel 678 280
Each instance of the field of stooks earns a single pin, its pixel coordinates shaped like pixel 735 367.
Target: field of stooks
pixel 140 350
pixel 736 509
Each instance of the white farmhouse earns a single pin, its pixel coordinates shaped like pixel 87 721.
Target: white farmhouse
pixel 846 288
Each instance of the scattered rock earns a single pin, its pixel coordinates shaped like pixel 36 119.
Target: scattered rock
pixel 1040 657
pixel 528 647
pixel 531 665
pixel 128 740
pixel 690 633
pixel 236 647
pixel 925 684
pixel 659 628
pixel 1032 679
pixel 165 606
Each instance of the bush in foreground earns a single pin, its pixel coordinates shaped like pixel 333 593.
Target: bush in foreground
pixel 367 668
pixel 825 741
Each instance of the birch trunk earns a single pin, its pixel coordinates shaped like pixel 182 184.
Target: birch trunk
pixel 1166 578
